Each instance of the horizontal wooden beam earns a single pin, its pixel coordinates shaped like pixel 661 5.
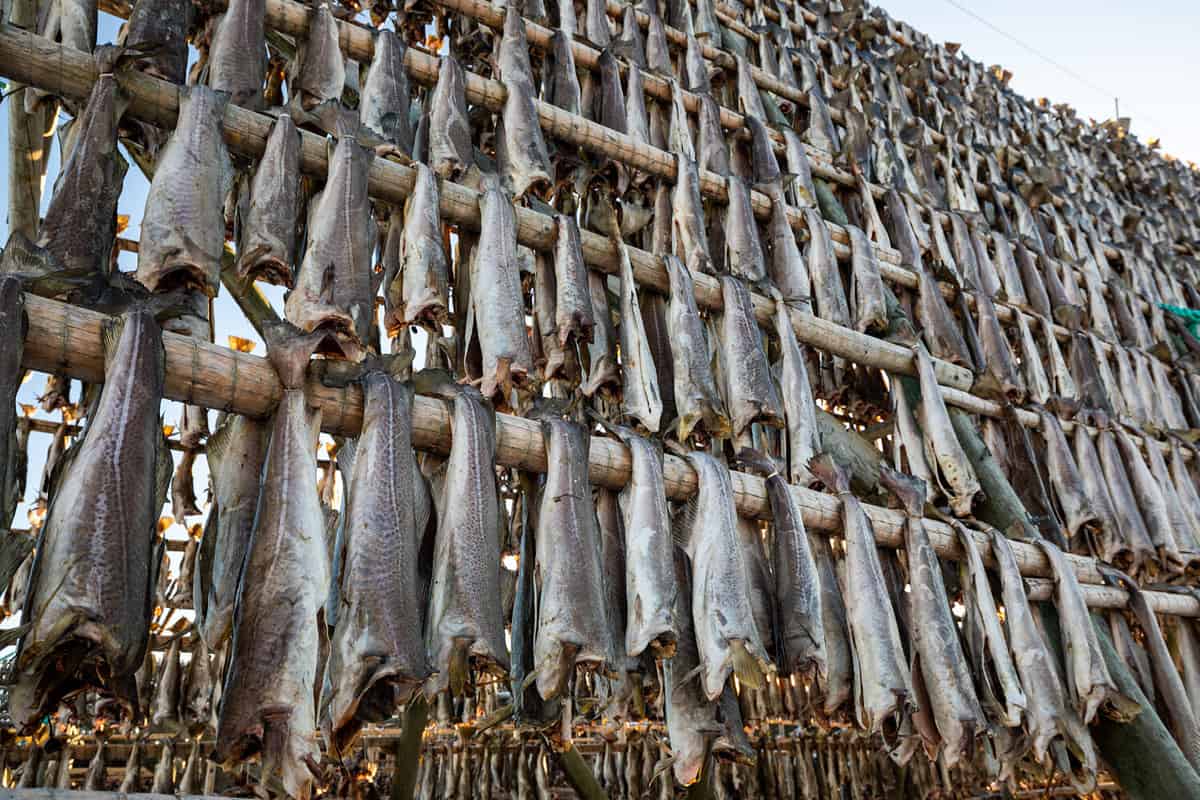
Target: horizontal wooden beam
pixel 67 339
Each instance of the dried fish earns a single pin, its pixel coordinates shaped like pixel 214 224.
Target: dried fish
pixel 383 105
pixel 712 150
pixel 951 468
pixel 450 152
pixel 92 587
pixel 237 58
pixel 268 703
pixel 196 704
pixel 417 272
pixel 727 637
pixel 520 149
pixel 641 397
pixel 268 232
pixel 1001 376
pixel 939 328
pixel 318 72
pixel 749 388
pixel 159 29
pixel 650 587
pixel 802 439
pixel 464 619
pixel 954 706
pixel 13 328
pixel 828 291
pixel 163 782
pixel 1075 506
pixel 1159 518
pixel 797 585
pixel 696 396
pixel 687 215
pixel 497 309
pixel 377 657
pixel 183 227
pixel 572 623
pixel 867 297
pixel 164 712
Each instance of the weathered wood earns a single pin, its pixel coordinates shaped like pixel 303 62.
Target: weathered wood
pixel 62 794
pixel 66 339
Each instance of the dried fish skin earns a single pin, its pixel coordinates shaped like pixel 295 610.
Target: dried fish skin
pixel 572 623
pixel 267 234
pixel 417 272
pixel 1001 369
pixel 722 611
pixel 743 250
pixel 955 708
pixel 867 297
pixel 71 23
pixel 573 313
pixel 164 711
pixel 687 214
pixel 377 657
pixel 650 586
pixel 713 152
pixel 939 328
pixel 690 715
pixel 696 397
pixel 383 105
pixel 160 27
pixel 610 530
pixel 450 150
pixel 603 369
pixel 1185 487
pixel 333 288
pixel 92 586
pixel 236 453
pixel 799 406
pixel 497 306
pixel 828 292
pixel 1004 697
pixel 952 469
pixel 641 398
pixel 797 583
pixel 1152 503
pixel 237 59
pixel 183 228
pixel 787 268
pixel 13 327
pixel 318 73
pixel 196 704
pixel 1046 714
pixel 637 122
pixel 1069 490
pixel 762 153
pixel 1088 682
pixel 464 618
pixel 80 226
pixel 749 388
pixel 800 186
pixel 882 683
pixel 1037 384
pixel 268 703
pixel 520 148
pixel 820 132
pixel 1131 526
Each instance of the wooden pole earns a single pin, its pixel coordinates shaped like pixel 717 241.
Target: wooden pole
pixel 66 339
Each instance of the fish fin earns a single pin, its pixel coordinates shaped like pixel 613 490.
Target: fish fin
pixel 825 469
pixel 757 461
pixel 745 666
pixel 436 382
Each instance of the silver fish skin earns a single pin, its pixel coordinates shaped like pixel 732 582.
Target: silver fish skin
pixel 658 53
pixel 712 150
pixel 131 779
pixel 497 304
pixel 237 59
pixel 1087 678
pixel 450 150
pixel 939 327
pixel 1185 487
pixel 1189 653
pixel 70 22
pixel 92 586
pixel 164 712
pixel 797 583
pixel 520 148
pixel 688 230
pixel 384 100
pixel 610 530
pixel 935 637
pixel 637 123
pixel 162 26
pixel 679 134
pixel 1159 518
pixel 1181 529
pixel 267 240
pixel 560 84
pixel 1173 693
pixel 1004 698
pixel 377 656
pixel 236 453
pixel 955 476
pixel 821 134
pixel 696 397
pixel 908 447
pixel 595 24
pixel 318 73
pixel 333 287
pixel 603 369
pixel 883 685
pixel 1077 510
pixel 1031 279
pixel 696 78
pixel 650 587
pixel 866 296
pixel 800 188
pixel 608 106
pixel 1104 537
pixel 828 292
pixel 572 623
pixel 573 313
pixel 1046 713
pixel 765 167
pixel 799 406
pixel 749 388
pixel 13 327
pixel 787 268
pixel 641 398
pixel 268 703
pixel 1133 534
pixel 722 611
pixel 184 221
pixel 417 278
pixel 163 783
pixel 1037 383
pixel 80 226
pixel 464 614
pixel 743 250
pixel 196 708
pixel 1060 375
pixel 1010 275
pixel 630 44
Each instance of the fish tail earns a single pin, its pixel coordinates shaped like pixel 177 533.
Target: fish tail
pixel 276 732
pixel 289 350
pixel 745 666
